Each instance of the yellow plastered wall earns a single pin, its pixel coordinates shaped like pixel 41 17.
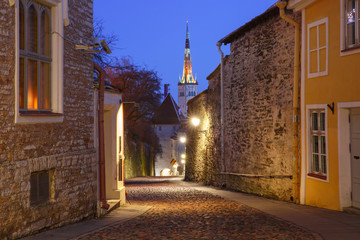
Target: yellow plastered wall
pixel 340 83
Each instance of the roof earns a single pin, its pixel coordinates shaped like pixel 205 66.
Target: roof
pixel 108 87
pixel 197 96
pixel 271 12
pixel 217 69
pixel 168 113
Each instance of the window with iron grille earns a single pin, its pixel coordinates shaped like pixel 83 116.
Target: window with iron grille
pixel 39 187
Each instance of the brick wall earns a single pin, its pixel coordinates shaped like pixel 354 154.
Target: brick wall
pixel 67 148
pixel 258 83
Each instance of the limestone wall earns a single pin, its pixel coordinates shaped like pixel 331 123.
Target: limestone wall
pixel 258 84
pixel 66 149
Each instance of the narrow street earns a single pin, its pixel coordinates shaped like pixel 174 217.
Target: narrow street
pixel 180 211
pixel 170 208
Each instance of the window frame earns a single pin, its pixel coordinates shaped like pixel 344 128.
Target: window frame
pixel 49 196
pixel 344 49
pixel 309 26
pixel 310 173
pixel 59 18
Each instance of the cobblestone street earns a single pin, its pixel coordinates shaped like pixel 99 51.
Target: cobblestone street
pixel 182 212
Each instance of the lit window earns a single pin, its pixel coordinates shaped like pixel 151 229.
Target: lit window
pixel 317 48
pixel 39 64
pixel 35 57
pixel 352 23
pixel 318 164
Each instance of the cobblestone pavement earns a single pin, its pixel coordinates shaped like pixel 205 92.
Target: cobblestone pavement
pixel 181 212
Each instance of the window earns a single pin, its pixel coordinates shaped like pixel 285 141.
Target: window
pixel 39 187
pixel 39 64
pixel 317 33
pixel 318 145
pixel 352 23
pixel 181 94
pixel 35 57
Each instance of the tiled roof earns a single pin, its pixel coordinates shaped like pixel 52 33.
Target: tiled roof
pixel 168 112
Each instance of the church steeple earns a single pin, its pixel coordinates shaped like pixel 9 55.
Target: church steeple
pixel 187 77
pixel 188 86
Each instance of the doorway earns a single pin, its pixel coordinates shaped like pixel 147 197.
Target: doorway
pixel 355 156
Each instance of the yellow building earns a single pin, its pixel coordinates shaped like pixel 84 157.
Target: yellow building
pixel 330 102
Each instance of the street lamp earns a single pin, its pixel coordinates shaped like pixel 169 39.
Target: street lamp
pixel 195 121
pixel 182 139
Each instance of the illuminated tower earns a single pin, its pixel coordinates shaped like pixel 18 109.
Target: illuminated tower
pixel 188 86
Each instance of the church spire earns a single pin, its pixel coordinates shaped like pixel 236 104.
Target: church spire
pixel 187 76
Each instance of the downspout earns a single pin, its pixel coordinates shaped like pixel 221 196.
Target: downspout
pixel 104 204
pixel 223 167
pixel 296 181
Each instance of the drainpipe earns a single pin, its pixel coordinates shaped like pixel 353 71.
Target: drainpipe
pixel 104 204
pixel 223 167
pixel 296 181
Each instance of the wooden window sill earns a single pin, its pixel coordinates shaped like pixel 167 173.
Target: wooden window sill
pixel 350 49
pixel 39 114
pixel 322 177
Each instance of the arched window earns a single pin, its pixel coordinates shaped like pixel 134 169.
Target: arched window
pixel 35 56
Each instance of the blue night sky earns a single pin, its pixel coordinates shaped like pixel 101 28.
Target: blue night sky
pixel 152 32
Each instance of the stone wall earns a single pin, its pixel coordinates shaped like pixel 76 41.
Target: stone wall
pixel 139 157
pixel 66 149
pixel 258 93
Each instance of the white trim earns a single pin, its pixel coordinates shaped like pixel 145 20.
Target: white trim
pixel 302 109
pixel 344 158
pixel 299 4
pixel 310 107
pixel 56 66
pixel 311 25
pixel 342 33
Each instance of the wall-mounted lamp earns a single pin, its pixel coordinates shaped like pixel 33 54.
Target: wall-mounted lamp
pixel 195 121
pixel 95 48
pixel 136 103
pixel 331 107
pixel 182 139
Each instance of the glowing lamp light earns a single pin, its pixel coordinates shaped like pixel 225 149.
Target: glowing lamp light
pixel 195 121
pixel 182 139
pixel 182 155
pixel 183 161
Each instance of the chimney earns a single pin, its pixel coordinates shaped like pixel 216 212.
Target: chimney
pixel 166 89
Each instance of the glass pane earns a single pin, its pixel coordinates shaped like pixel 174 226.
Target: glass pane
pixel 45 86
pixel 313 38
pixel 43 186
pixel 322 121
pixel 22 84
pixel 350 11
pixel 322 59
pixel 22 26
pixel 322 35
pixel 33 188
pixel 32 30
pixel 315 163
pixel 323 145
pixel 45 34
pixel 315 143
pixel 350 34
pixel 323 164
pixel 32 81
pixel 314 121
pixel 313 62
